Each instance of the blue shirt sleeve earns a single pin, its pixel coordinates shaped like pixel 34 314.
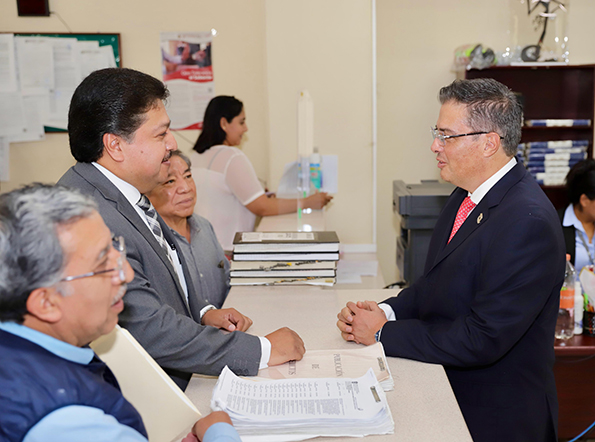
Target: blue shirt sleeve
pixel 76 423
pixel 221 432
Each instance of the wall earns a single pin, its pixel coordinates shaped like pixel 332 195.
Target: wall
pixel 238 64
pixel 268 50
pixel 416 41
pixel 325 47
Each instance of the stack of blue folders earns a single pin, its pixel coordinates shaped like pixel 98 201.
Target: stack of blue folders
pixel 550 161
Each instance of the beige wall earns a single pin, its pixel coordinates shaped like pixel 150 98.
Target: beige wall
pixel 416 41
pixel 268 50
pixel 238 63
pixel 325 47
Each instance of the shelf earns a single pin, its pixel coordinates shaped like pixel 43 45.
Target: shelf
pixel 556 127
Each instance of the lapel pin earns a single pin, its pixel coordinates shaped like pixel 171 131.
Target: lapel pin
pixel 479 218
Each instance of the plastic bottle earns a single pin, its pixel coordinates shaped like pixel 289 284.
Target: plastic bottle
pixel 565 323
pixel 579 302
pixel 315 174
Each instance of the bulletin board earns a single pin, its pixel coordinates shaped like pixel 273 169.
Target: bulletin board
pixel 112 40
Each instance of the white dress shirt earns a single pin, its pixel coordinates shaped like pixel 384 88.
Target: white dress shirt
pixel 132 195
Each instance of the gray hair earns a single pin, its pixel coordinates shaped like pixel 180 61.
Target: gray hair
pixel 177 153
pixel 491 107
pixel 31 255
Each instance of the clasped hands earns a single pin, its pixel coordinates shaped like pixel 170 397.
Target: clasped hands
pixel 360 321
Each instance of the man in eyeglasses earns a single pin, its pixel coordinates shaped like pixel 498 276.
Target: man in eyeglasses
pixel 62 280
pixel 119 134
pixel 486 305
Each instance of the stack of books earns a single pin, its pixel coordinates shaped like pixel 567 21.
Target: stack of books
pixel 284 258
pixel 550 161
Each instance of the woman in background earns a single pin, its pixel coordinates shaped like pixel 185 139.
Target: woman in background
pixel 174 200
pixel 578 219
pixel 229 194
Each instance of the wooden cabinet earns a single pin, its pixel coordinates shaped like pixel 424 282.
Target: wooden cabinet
pixel 551 92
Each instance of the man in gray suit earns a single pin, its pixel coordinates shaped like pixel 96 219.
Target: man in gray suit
pixel 119 134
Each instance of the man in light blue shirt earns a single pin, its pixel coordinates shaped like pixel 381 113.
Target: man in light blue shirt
pixel 62 280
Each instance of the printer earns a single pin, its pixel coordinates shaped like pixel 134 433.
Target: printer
pixel 418 206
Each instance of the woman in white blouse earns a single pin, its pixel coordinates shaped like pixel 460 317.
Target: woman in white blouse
pixel 229 194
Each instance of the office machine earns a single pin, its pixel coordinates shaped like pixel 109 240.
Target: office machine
pixel 418 206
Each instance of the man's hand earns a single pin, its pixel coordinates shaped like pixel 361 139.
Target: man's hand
pixel 286 345
pixel 201 427
pixel 360 322
pixel 227 318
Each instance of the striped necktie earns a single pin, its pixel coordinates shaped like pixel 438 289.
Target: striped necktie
pixel 466 207
pixel 151 217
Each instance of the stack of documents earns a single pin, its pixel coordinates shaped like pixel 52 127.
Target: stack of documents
pixel 303 407
pixel 284 258
pixel 345 363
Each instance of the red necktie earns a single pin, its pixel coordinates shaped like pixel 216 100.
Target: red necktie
pixel 466 206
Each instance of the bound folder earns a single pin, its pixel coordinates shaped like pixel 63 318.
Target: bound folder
pixel 285 242
pixel 167 412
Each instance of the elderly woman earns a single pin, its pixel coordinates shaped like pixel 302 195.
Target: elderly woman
pixel 174 200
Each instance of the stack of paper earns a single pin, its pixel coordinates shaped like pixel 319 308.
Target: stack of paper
pixel 284 258
pixel 351 363
pixel 303 407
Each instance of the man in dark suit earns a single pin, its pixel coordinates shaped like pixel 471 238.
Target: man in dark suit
pixel 119 134
pixel 487 303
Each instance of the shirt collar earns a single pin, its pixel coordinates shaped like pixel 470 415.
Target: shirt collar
pixel 570 219
pixel 130 192
pixel 487 185
pixel 60 348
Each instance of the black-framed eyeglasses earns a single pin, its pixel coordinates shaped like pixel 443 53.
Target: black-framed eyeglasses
pixel 437 135
pixel 120 246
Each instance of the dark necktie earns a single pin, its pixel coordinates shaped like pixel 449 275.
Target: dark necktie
pixel 151 216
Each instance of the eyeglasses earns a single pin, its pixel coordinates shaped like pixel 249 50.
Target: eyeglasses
pixel 118 244
pixel 442 138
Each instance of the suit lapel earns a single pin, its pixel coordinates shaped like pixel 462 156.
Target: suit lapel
pixel 111 193
pixel 479 216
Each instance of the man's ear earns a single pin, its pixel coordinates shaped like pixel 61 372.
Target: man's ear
pixel 112 147
pixel 44 304
pixel 492 144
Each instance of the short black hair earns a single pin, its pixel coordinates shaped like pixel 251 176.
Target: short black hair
pixel 212 134
pixel 113 101
pixel 581 180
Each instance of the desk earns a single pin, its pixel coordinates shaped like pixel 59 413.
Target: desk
pixel 423 405
pixel 575 381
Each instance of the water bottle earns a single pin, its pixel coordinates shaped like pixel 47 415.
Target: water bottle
pixel 565 323
pixel 579 303
pixel 315 175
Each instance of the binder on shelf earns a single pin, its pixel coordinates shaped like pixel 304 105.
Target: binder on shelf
pixel 167 412
pixel 285 242
pixel 557 122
